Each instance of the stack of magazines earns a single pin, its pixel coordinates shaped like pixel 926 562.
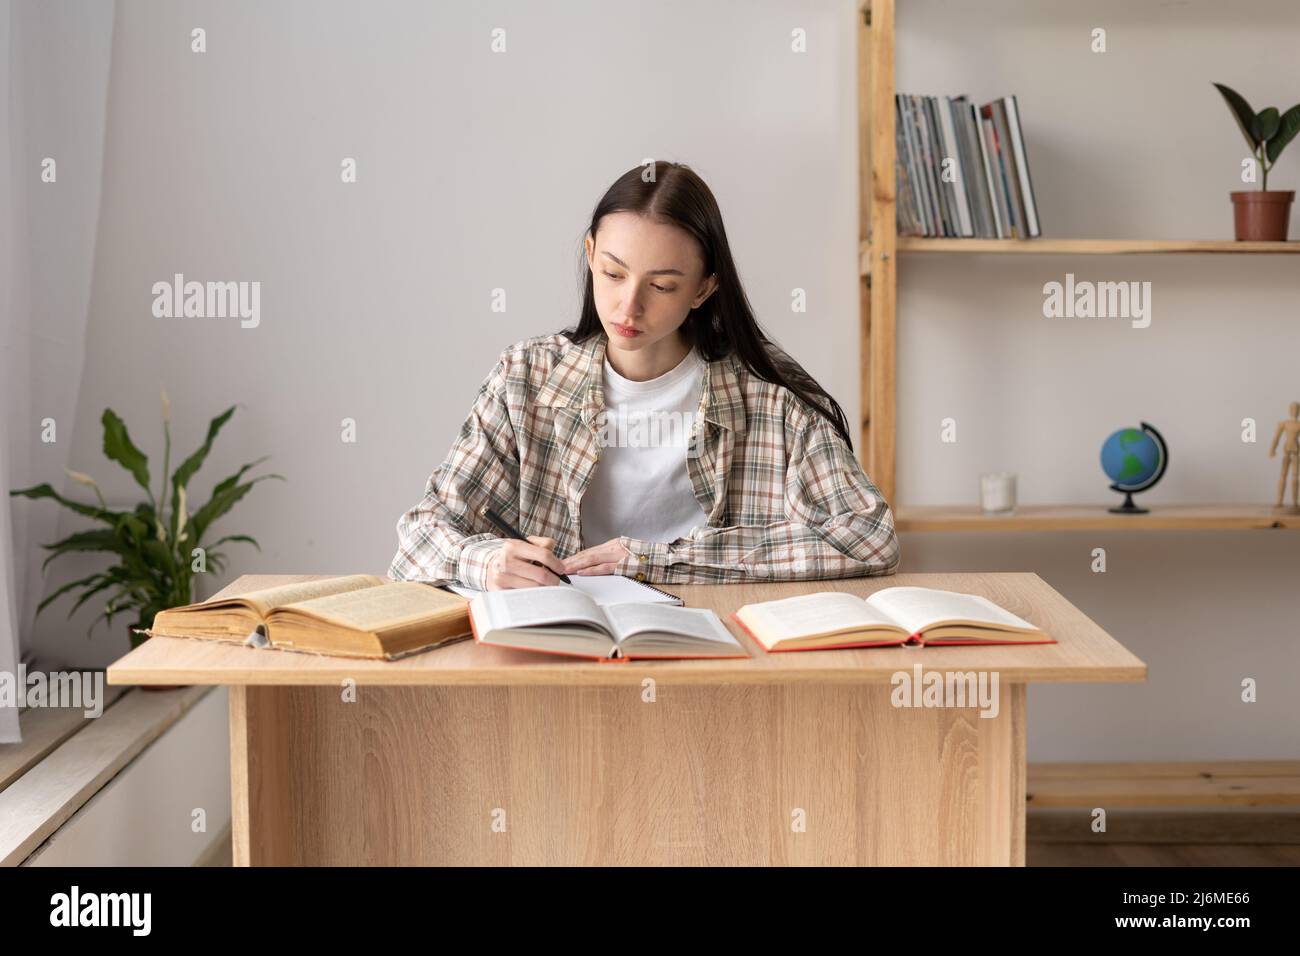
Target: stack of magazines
pixel 962 169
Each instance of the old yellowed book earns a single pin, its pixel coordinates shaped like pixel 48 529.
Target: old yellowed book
pixel 355 615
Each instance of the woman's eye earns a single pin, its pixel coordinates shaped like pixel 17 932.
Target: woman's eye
pixel 613 276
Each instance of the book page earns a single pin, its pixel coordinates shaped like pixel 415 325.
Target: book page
pixel 549 604
pixel 608 589
pixel 267 599
pixel 919 608
pixel 378 608
pixel 701 623
pixel 605 589
pixel 821 613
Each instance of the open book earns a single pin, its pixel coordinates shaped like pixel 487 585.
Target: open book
pixel 560 619
pixel 356 615
pixel 892 616
pixel 605 588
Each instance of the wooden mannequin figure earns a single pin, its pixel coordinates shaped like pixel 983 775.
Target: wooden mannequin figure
pixel 1290 458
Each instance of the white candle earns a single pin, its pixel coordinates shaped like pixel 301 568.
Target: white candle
pixel 998 492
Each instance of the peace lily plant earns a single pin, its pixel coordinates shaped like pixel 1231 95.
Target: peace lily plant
pixel 158 554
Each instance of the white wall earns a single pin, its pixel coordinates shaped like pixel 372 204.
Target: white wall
pixel 478 171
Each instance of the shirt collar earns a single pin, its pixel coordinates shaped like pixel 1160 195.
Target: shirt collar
pixel 577 382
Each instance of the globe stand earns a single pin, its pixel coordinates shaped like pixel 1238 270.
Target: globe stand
pixel 1128 508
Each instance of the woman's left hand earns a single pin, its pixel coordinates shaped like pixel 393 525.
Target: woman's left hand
pixel 598 559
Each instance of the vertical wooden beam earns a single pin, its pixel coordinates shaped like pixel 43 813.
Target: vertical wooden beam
pixel 1019 701
pixel 262 799
pixel 877 195
pixel 864 233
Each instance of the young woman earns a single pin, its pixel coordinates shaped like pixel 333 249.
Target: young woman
pixel 665 437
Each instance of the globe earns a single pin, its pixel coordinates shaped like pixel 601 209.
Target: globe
pixel 1130 457
pixel 1134 459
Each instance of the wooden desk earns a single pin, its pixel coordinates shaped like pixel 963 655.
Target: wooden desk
pixel 477 755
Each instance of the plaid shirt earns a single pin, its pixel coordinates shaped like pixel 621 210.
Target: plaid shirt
pixel 784 496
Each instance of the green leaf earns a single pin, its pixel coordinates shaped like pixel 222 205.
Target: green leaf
pixel 123 600
pixel 1288 127
pixel 235 537
pixel 224 497
pixel 132 594
pixel 159 555
pixel 119 448
pixel 1241 112
pixel 137 528
pixel 99 539
pixel 185 471
pixel 1264 126
pixel 103 615
pixel 233 480
pixel 63 590
pixel 87 595
pixel 45 491
pixel 138 541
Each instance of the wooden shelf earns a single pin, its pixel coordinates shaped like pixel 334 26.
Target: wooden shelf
pixel 1092 518
pixel 1097 247
pixel 1085 247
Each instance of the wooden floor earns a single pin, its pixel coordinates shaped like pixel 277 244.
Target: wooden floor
pixel 1164 854
pixel 1208 813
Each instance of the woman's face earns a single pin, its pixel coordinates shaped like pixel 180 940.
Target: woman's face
pixel 646 277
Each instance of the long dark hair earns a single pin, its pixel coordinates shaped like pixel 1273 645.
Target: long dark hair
pixel 724 324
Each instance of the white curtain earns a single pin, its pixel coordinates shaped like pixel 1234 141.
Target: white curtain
pixel 53 93
pixel 11 390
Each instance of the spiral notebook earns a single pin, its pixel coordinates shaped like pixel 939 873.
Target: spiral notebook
pixel 605 589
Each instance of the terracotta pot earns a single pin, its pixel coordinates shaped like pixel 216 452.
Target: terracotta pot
pixel 1262 216
pixel 136 641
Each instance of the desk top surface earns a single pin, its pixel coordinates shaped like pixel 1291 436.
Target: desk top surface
pixel 1085 653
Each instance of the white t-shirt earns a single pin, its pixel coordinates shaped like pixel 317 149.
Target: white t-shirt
pixel 640 486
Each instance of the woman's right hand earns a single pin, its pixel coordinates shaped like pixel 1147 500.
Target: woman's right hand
pixel 512 566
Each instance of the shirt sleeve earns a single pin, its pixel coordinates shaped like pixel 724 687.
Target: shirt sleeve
pixel 837 525
pixel 442 539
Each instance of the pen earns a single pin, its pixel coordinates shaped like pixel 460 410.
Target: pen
pixel 500 524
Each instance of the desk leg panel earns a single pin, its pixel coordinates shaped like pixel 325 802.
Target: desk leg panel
pixel 259 784
pixel 778 774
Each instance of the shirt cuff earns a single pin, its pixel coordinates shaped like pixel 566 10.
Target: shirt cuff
pixel 472 568
pixel 647 560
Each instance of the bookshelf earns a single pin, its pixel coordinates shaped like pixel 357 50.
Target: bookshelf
pixel 879 249
pixel 880 245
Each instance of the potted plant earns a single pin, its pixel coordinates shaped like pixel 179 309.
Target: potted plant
pixel 1262 215
pixel 158 554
